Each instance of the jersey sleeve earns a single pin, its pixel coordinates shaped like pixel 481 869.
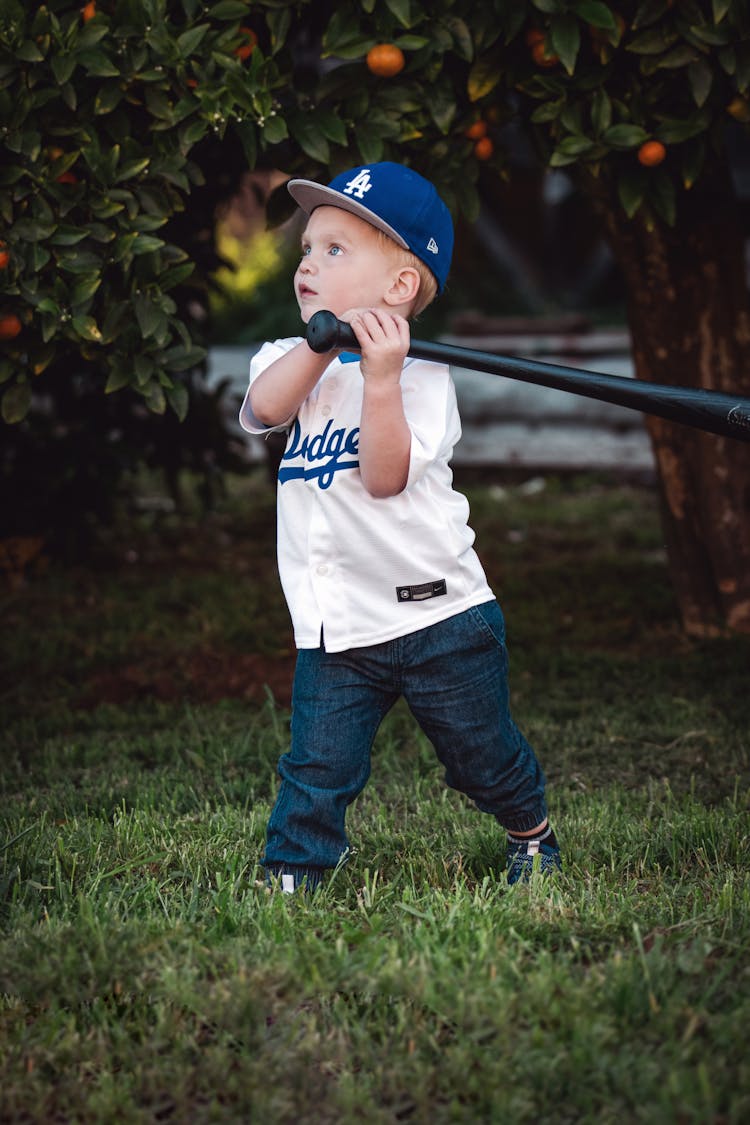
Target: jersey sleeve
pixel 263 358
pixel 432 415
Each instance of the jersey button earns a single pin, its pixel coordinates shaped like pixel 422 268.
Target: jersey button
pixel 322 569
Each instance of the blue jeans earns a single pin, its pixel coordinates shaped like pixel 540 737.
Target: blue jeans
pixel 453 676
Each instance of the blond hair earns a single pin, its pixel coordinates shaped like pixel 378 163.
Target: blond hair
pixel 427 280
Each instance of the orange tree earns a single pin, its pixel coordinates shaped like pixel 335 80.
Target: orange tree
pixel 118 116
pixel 123 124
pixel 635 101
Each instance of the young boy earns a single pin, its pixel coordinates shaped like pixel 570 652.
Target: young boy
pixel 386 594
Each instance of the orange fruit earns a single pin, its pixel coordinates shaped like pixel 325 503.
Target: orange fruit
pixel 484 148
pixel 88 11
pixel 476 131
pixel 67 178
pixel 10 326
pixel 385 60
pixel 534 35
pixel 4 256
pixel 246 50
pixel 651 153
pixel 739 109
pixel 541 57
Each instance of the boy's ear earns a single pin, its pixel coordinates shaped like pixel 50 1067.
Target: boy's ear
pixel 404 287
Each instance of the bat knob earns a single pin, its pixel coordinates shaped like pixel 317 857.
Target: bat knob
pixel 326 332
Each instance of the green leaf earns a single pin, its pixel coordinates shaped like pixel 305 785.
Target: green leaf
pixel 601 111
pixel 47 305
pixel 442 105
pixel 33 230
pixel 653 42
pixel 176 275
pixel 181 358
pixel 107 98
pixel 548 111
pixel 682 55
pixel 91 34
pixel 701 79
pixel 370 143
pixel 727 59
pixel 79 262
pixel 595 13
pixel 275 130
pixel 68 236
pixel 87 328
pixel 179 400
pixel 279 22
pixel 29 52
pixel 11 174
pixel 412 42
pixel 98 64
pixel 401 9
pixel 247 134
pixel 149 316
pixel 84 290
pixel 62 67
pixel 118 378
pixel 631 188
pixel 155 399
pixel 69 96
pixel 624 136
pixel 228 10
pixel 461 37
pixel 560 160
pixel 575 145
pixel 331 126
pixel 132 168
pixel 483 77
pixel 143 368
pixel 189 40
pixel 672 131
pixel 693 158
pixel 310 138
pixel 711 36
pixel 146 243
pixel 648 12
pixel 565 37
pixel 193 132
pixel 16 403
pixel 720 9
pixel 663 196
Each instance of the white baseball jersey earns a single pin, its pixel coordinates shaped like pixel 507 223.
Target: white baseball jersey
pixel 366 570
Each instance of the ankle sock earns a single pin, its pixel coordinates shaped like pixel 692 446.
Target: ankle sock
pixel 545 837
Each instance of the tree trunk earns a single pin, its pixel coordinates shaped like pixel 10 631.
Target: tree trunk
pixel 689 317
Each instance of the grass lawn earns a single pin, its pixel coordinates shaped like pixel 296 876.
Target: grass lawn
pixel 146 972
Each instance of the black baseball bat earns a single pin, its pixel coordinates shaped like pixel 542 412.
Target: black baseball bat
pixel 715 411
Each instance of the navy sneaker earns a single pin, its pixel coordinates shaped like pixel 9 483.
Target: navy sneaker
pixel 521 859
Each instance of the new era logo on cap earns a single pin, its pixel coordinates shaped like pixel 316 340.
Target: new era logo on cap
pixel 395 199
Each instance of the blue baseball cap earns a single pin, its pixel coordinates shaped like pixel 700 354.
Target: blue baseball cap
pixel 396 200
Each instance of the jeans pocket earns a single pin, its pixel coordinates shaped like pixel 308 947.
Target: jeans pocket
pixel 489 618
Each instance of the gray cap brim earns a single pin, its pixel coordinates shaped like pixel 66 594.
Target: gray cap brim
pixel 309 195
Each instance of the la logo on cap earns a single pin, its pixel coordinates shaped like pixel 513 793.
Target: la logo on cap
pixel 359 185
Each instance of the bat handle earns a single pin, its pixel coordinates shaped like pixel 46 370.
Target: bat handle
pixel 326 332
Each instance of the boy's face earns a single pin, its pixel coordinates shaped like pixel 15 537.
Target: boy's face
pixel 343 264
